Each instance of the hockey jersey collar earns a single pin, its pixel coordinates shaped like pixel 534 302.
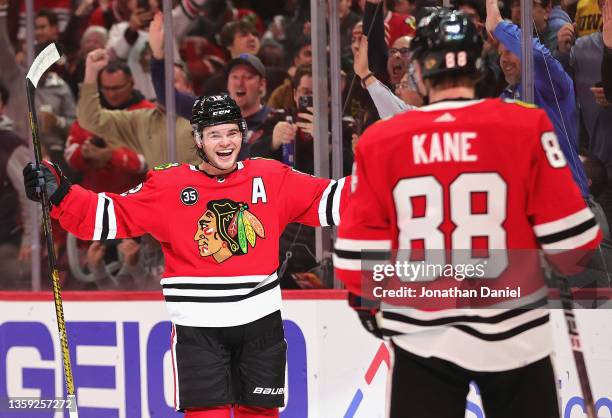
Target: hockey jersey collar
pixel 219 178
pixel 449 104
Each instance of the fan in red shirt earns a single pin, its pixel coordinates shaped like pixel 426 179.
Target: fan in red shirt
pixel 106 168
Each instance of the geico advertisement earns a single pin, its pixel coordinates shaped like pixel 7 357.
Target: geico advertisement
pixel 121 362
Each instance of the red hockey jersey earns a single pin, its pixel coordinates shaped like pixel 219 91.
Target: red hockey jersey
pixel 480 175
pixel 220 235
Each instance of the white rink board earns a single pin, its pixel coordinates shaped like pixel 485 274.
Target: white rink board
pixel 335 369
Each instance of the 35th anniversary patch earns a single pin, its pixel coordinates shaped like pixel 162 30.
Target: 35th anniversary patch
pixel 189 196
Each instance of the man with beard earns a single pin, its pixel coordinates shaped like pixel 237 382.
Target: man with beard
pixel 219 223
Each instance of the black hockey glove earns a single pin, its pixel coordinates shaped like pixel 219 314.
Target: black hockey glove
pixel 366 311
pixel 46 175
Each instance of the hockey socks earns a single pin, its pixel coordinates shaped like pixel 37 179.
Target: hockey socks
pixel 255 412
pixel 212 412
pixel 239 412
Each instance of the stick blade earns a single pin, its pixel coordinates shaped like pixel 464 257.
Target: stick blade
pixel 47 57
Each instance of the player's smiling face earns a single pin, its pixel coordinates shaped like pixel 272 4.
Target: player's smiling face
pixel 221 145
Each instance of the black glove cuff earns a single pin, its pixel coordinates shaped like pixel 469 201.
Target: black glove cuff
pixel 61 192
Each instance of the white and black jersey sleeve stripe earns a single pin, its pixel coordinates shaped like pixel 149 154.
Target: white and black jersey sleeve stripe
pixel 106 221
pixel 329 205
pixel 349 253
pixel 567 233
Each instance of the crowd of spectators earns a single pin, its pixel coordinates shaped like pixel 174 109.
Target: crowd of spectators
pixel 104 121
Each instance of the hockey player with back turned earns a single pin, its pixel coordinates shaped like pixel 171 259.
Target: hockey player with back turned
pixel 456 178
pixel 219 225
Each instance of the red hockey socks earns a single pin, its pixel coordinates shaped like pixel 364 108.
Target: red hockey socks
pixel 255 412
pixel 213 412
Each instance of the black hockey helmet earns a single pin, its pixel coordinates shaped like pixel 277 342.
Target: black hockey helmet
pixel 215 110
pixel 447 42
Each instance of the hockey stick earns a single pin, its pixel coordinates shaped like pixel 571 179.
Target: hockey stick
pixel 42 63
pixel 565 295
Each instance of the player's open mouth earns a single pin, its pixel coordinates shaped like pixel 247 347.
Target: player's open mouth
pixel 397 69
pixel 240 93
pixel 225 155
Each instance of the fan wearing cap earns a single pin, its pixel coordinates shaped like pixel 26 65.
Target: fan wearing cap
pixel 246 84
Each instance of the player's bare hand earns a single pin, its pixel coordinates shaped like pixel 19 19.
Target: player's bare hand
pixel 566 38
pixel 95 62
pixel 283 133
pixel 156 36
pixel 600 96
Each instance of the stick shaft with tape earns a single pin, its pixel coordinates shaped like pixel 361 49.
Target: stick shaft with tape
pixel 46 58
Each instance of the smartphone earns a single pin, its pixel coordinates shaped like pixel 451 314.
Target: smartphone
pixel 304 102
pixel 98 142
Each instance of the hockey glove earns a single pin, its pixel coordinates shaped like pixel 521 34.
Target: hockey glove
pixel 366 311
pixel 46 175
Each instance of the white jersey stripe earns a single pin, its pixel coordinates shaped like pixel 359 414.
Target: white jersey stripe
pixel 494 328
pixel 473 353
pixel 176 400
pixel 346 264
pixel 362 244
pixel 219 280
pixel 323 204
pixel 112 220
pixel 99 217
pixel 564 223
pixel 226 314
pixel 336 201
pixel 207 293
pixel 572 242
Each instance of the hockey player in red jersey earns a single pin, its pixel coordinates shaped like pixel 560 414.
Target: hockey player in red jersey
pixel 219 225
pixel 455 177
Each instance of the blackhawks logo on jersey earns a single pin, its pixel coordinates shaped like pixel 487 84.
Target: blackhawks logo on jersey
pixel 227 228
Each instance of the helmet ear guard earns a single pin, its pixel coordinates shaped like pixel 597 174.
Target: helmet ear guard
pixel 197 135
